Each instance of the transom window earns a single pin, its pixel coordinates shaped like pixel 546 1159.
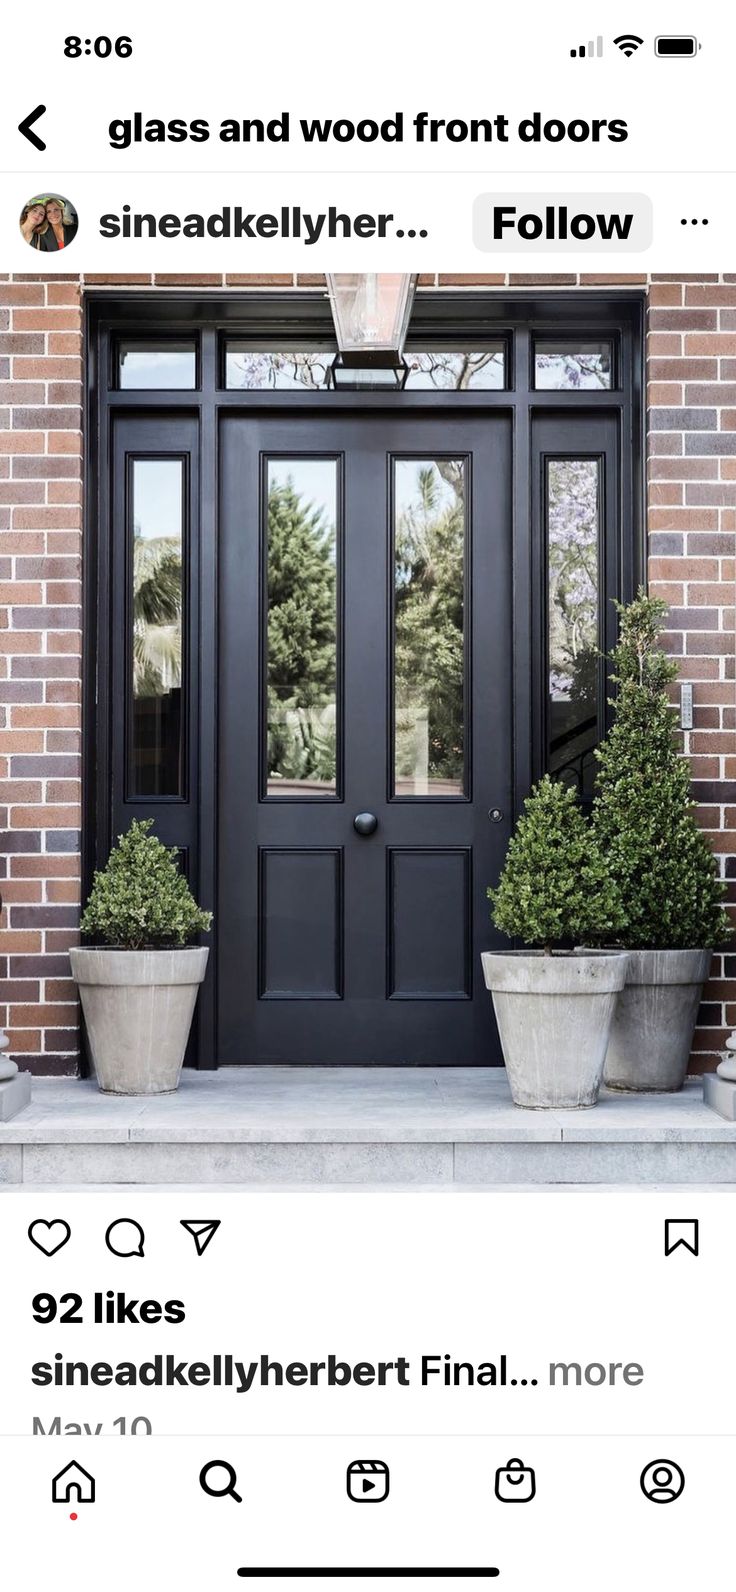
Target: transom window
pixel 432 370
pixel 559 364
pixel 571 364
pixel 168 365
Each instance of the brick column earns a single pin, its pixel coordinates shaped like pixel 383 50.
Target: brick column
pixel 692 525
pixel 40 663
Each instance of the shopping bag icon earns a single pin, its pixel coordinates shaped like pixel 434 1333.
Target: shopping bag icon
pixel 515 1483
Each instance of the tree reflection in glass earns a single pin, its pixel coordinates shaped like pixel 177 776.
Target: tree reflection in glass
pixel 285 369
pixel 302 627
pixel 457 369
pixel 448 369
pixel 429 556
pixel 561 366
pixel 573 532
pixel 157 628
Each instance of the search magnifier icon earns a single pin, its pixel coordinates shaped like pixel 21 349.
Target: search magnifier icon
pixel 219 1479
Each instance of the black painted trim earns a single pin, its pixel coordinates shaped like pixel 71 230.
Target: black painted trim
pixel 439 316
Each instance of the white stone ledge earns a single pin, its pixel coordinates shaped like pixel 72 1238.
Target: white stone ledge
pixel 350 1127
pixel 369 1165
pixel 320 1105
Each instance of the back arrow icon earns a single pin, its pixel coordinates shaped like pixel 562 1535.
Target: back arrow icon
pixel 25 126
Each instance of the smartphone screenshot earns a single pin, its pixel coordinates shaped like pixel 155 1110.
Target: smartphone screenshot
pixel 368 797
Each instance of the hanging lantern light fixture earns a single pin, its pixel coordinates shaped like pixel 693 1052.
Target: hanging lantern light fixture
pixel 371 314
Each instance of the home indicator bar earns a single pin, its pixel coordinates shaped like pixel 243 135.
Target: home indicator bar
pixel 405 1572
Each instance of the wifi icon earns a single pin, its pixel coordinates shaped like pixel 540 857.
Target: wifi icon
pixel 628 43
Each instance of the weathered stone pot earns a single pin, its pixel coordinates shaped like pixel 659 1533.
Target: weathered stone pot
pixel 138 1008
pixel 652 1030
pixel 554 1017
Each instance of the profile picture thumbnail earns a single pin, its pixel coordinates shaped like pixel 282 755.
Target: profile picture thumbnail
pixel 49 222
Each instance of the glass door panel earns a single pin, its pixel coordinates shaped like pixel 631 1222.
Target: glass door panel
pixel 301 627
pixel 429 537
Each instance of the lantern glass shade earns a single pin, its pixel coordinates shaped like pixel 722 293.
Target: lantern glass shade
pixel 371 311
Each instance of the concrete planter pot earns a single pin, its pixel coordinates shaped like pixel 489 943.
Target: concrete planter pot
pixel 652 1030
pixel 138 1008
pixel 554 1017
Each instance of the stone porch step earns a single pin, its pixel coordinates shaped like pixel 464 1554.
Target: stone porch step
pixel 419 1127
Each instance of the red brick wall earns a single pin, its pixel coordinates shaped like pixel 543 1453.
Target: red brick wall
pixel 692 544
pixel 692 525
pixel 40 663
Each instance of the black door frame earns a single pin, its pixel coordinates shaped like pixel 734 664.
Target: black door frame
pixel 302 318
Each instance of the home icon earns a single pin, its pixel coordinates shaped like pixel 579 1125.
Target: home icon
pixel 73 1485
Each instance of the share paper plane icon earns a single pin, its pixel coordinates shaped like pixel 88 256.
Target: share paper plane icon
pixel 202 1233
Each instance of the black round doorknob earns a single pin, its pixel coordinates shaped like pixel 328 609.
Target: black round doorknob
pixel 365 823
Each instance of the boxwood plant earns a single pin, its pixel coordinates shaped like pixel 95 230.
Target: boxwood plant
pixel 643 814
pixel 556 888
pixel 140 900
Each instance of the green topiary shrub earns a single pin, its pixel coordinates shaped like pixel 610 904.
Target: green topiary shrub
pixel 140 900
pixel 556 888
pixel 643 812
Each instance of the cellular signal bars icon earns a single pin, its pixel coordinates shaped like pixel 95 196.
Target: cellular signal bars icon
pixel 593 47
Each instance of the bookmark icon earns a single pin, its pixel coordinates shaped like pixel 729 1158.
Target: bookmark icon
pixel 682 1233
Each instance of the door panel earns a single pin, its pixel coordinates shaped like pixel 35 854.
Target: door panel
pixel 300 914
pixel 364 640
pixel 426 888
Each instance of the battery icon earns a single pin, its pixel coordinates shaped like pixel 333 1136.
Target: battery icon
pixel 676 46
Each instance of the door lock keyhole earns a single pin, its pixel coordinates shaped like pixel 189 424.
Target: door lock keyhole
pixel 495 814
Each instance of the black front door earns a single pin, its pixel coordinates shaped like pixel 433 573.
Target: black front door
pixel 364 734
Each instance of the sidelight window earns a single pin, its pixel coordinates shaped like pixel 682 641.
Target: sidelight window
pixel 156 566
pixel 573 514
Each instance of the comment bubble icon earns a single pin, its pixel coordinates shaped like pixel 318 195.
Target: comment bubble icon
pixel 125 1238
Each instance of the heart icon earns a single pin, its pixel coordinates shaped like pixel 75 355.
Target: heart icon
pixel 49 1237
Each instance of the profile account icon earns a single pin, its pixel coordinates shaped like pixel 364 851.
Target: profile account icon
pixel 662 1481
pixel 73 1485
